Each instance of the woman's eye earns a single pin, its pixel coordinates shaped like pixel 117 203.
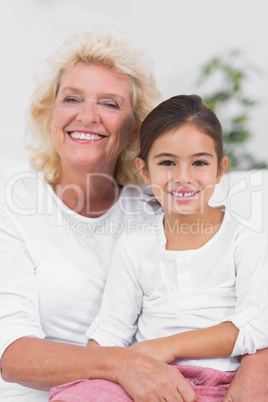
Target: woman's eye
pixel 167 163
pixel 111 105
pixel 70 100
pixel 200 163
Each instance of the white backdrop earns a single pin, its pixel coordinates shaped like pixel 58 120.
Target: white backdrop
pixel 179 36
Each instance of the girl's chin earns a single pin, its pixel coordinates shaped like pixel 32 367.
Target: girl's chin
pixel 180 212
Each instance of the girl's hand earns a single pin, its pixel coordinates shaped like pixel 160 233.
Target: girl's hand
pixel 160 349
pixel 93 344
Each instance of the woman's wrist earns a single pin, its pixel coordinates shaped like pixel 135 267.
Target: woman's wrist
pixel 251 380
pixel 124 360
pixel 257 361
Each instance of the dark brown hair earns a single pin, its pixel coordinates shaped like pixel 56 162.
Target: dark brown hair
pixel 175 112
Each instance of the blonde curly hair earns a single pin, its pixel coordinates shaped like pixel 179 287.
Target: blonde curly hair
pixel 104 47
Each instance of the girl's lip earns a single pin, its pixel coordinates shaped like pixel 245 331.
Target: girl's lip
pixel 184 195
pixel 183 190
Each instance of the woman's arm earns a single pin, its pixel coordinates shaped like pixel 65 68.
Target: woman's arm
pixel 42 364
pixel 251 381
pixel 212 342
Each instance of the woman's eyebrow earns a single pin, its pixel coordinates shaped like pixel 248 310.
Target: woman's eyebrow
pixel 111 95
pixel 70 89
pixel 102 95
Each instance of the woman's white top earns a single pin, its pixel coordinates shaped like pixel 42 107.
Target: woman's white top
pixel 53 265
pixel 152 292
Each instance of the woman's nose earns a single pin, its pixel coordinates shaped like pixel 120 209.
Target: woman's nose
pixel 88 113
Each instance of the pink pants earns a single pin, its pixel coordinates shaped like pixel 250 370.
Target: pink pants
pixel 209 384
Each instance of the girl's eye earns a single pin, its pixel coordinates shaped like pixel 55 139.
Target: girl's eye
pixel 167 163
pixel 200 163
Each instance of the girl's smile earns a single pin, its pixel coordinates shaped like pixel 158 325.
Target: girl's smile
pixel 183 194
pixel 182 170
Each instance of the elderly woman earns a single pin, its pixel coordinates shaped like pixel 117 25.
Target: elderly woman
pixel 59 227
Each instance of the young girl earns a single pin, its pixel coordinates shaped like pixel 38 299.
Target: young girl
pixel 190 286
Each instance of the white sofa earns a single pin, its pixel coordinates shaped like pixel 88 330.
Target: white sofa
pixel 244 193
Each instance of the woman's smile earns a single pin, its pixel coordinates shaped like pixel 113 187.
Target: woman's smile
pixel 90 125
pixel 84 137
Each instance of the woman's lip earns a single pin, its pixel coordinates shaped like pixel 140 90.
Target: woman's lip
pixel 86 141
pixel 83 131
pixel 89 136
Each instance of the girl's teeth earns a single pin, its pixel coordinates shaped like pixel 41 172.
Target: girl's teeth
pixel 184 194
pixel 82 136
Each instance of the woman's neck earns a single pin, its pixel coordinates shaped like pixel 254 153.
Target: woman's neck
pixel 90 194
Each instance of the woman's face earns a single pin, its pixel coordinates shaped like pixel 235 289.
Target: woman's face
pixel 92 120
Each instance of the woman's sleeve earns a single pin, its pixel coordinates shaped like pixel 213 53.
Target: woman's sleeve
pixel 116 323
pixel 19 308
pixel 251 312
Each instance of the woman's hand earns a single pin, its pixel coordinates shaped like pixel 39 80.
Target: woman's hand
pixel 160 349
pixel 149 380
pixel 251 382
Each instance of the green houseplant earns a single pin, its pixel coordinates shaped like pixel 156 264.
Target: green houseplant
pixel 222 85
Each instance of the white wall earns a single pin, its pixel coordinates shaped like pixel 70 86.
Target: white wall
pixel 179 36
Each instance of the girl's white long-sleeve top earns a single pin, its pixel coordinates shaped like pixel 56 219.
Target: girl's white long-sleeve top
pixel 152 292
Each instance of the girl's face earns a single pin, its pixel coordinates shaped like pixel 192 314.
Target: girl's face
pixel 183 170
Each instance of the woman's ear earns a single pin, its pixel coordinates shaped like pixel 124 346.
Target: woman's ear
pixel 140 165
pixel 134 135
pixel 222 168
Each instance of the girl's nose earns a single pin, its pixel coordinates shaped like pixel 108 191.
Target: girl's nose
pixel 88 113
pixel 183 175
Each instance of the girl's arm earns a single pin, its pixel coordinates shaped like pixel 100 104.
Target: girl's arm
pixel 248 330
pixel 93 343
pixel 212 342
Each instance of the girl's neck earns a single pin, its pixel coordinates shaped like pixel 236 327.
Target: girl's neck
pixel 188 232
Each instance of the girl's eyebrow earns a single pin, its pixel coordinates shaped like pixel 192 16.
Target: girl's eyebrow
pixel 168 155
pixel 203 154
pixel 164 155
